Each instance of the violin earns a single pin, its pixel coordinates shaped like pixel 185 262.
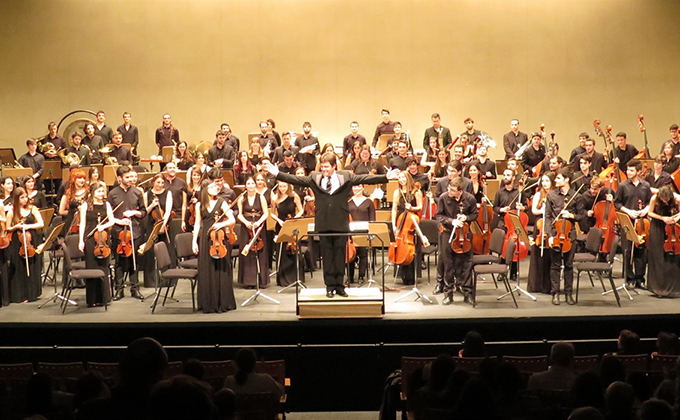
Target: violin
pixel 642 225
pixel 75 224
pixel 218 248
pixel 101 247
pixel 672 243
pixel 26 241
pixel 541 234
pixel 460 241
pixel 5 237
pixel 563 227
pixel 310 205
pixel 124 242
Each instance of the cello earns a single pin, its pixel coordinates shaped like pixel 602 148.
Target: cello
pixel 641 124
pixel 482 241
pixel 605 220
pixel 522 249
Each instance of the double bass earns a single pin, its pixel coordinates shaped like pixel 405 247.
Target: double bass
pixel 641 124
pixel 612 174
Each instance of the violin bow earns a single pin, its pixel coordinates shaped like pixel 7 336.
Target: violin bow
pixel 567 204
pixel 103 221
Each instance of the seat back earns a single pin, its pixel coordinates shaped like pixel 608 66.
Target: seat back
pixel 430 229
pixel 634 362
pixel 219 369
pixel 71 242
pixel 108 370
pixel 593 240
pixel 585 363
pixel 162 256
pixel 612 251
pixel 183 245
pixel 274 368
pixel 410 365
pixel 68 265
pixel 173 369
pixel 661 362
pixel 64 374
pixel 16 371
pixel 497 239
pixel 471 364
pixel 258 406
pixel 528 364
pixel 509 251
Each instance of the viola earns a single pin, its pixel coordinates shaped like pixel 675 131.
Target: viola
pixel 75 224
pixel 642 225
pixel 26 240
pixel 460 243
pixel 101 247
pixel 561 241
pixel 481 242
pixel 672 243
pixel 124 242
pixel 403 249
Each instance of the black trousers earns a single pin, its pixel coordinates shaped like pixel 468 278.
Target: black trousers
pixel 333 255
pixel 457 269
pixel 124 265
pixel 635 270
pixel 557 257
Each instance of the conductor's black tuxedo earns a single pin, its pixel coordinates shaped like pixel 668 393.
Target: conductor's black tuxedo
pixel 332 215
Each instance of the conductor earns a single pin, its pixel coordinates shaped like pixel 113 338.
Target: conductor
pixel 332 189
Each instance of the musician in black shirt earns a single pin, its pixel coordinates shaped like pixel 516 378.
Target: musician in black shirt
pixel 562 205
pixel 632 198
pixel 658 177
pixel 120 153
pixel 595 194
pixel 534 154
pixel 623 152
pixel 583 176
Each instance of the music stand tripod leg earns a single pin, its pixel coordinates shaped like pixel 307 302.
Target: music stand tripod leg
pixel 258 292
pixel 298 281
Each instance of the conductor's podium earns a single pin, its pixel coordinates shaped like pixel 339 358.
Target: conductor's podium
pixel 361 303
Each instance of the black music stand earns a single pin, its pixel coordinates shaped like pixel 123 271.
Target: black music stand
pixel 48 245
pixel 7 156
pixel 293 230
pixel 626 225
pixel 521 237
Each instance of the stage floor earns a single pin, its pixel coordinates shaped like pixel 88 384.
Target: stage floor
pixel 591 304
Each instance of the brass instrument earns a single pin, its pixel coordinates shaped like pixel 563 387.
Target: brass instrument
pixel 108 160
pixel 45 147
pixel 18 165
pixel 70 159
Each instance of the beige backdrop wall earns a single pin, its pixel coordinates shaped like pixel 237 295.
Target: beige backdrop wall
pixel 559 62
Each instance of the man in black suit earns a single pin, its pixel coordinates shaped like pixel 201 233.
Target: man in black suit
pixel 332 189
pixel 514 139
pixel 442 133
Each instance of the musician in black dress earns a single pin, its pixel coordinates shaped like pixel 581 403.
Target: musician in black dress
pixel 252 213
pixel 75 193
pixel 361 209
pixel 662 275
pixel 672 162
pixel 539 259
pixel 562 206
pixel 24 272
pixel 406 200
pixel 215 275
pixel 194 194
pixel 456 207
pixel 159 202
pixel 286 204
pixel 96 216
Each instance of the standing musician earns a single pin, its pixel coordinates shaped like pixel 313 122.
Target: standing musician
pixel 407 199
pixel 308 147
pixel 597 159
pixel 252 213
pixel 539 259
pixel 57 141
pixel 120 153
pixel 399 137
pixel 596 193
pixel 286 204
pixel 438 131
pixel 24 270
pixel 455 208
pixel 75 195
pixel 632 198
pixel 672 162
pixel 486 165
pixel 243 169
pixel 361 209
pixel 166 134
pixel 351 138
pixel 34 160
pixel 477 182
pixel 93 143
pixel 331 188
pixel 562 206
pixel 664 261
pixel 509 197
pixel 215 275
pixel 232 140
pixel 266 138
pixel 674 139
pixel 79 150
pixel 36 197
pixel 7 185
pixel 453 170
pixel 4 255
pixel 623 152
pixel 285 146
pixel 130 133
pixel 472 134
pixel 429 158
pixel 128 215
pixel 514 139
pixel 585 174
pixel 199 165
pixel 101 129
pixel 578 150
pixel 221 155
pixel 420 177
pixel 178 189
pixel 183 156
pixel 96 217
pixel 385 127
pixel 399 161
pixel 159 204
pixel 534 154
pixel 658 177
pixel 194 194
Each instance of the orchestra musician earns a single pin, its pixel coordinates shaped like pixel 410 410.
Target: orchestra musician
pixel 578 150
pixel 458 153
pixel 57 141
pixel 535 154
pixel 183 156
pixel 286 146
pixel 252 213
pixel 266 138
pixel 353 155
pixel 385 127
pixel 34 160
pixel 75 193
pixel 166 134
pixel 331 189
pixel 438 170
pixel 453 170
pixel 288 164
pixel 432 148
pixel 514 139
pixel 407 199
pixel 215 275
pixel 473 135
pixel 623 152
pixel 308 147
pixel 539 261
pixel 159 204
pixel 243 169
pixel 79 150
pixel 199 165
pixel 486 165
pixel 4 253
pixel 271 125
pixel 130 134
pixel 596 193
pixel 101 129
pixel 328 148
pixel 585 174
pixel 93 142
pixel 441 133
pixel 509 197
pixel 24 273
pixel 672 161
pixel 223 190
pixel 674 139
pixel 351 138
pixel 597 160
pixel 7 185
pixel 286 205
pixel 391 151
pixel 400 136
pixel 256 154
pixel 94 177
pixel 361 209
pixel 455 208
pixel 120 153
pixel 662 274
pixel 468 149
pixel 178 189
pixel 657 178
pixel 194 194
pixel 36 197
pixel 221 155
pixel 420 177
pixel 366 164
pixel 232 140
pixel 562 205
pixel 96 216
pixel 632 198
pixel 127 216
pixel 477 181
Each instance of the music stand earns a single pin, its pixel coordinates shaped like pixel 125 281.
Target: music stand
pixel 256 253
pixel 15 173
pixel 152 238
pixel 52 169
pixel 48 245
pixel 382 230
pixel 228 176
pixel 47 215
pixel 521 237
pixel 626 225
pixel 7 156
pixel 293 230
pixel 382 141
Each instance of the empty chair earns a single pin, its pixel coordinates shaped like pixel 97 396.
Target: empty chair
pixel 585 363
pixel 634 362
pixel 592 244
pixel 503 270
pixel 495 247
pixel 74 275
pixel 185 254
pixel 167 277
pixel 430 229
pixel 600 268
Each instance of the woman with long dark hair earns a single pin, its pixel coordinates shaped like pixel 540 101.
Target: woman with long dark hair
pixel 243 169
pixel 407 198
pixel 253 214
pixel 247 381
pixel 286 204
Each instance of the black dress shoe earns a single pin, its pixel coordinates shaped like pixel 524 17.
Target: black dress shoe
pixel 468 299
pixel 120 295
pixel 329 294
pixel 555 299
pixel 640 285
pixel 570 299
pixel 448 299
pixel 438 289
pixel 137 295
pixel 341 293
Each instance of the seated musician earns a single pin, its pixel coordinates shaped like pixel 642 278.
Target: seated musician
pixel 468 149
pixel 199 166
pixel 79 150
pixel 232 140
pixel 270 180
pixel 351 138
pixel 438 170
pixel 35 196
pixel 256 153
pixel 328 148
pixel 658 177
pixel 578 150
pixel 399 136
pixel 585 174
pixel 288 164
pixel 552 161
pixel 183 156
pixel 458 153
pixel 672 161
pixel 57 141
pixel 366 164
pixel 562 206
pixel 119 152
pixel 429 158
pixel 486 165
pixel 391 151
pixel 534 154
pixel 353 155
pixel 455 208
pixel 595 194
pixel 221 155
pixel 34 160
pixel 286 146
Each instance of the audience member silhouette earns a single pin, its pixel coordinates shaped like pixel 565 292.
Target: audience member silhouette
pixel 181 397
pixel 441 369
pixel 247 381
pixel 585 413
pixel 559 376
pixel 588 390
pixel 655 409
pixel 619 401
pixel 473 345
pixel 628 343
pixel 611 370
pixel 225 401
pixel 667 344
pixel 476 401
pixel 194 368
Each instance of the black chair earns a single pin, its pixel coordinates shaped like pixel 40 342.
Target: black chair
pixel 430 229
pixel 592 245
pixel 185 254
pixel 502 269
pixel 74 275
pixel 495 247
pixel 77 256
pixel 600 268
pixel 167 277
